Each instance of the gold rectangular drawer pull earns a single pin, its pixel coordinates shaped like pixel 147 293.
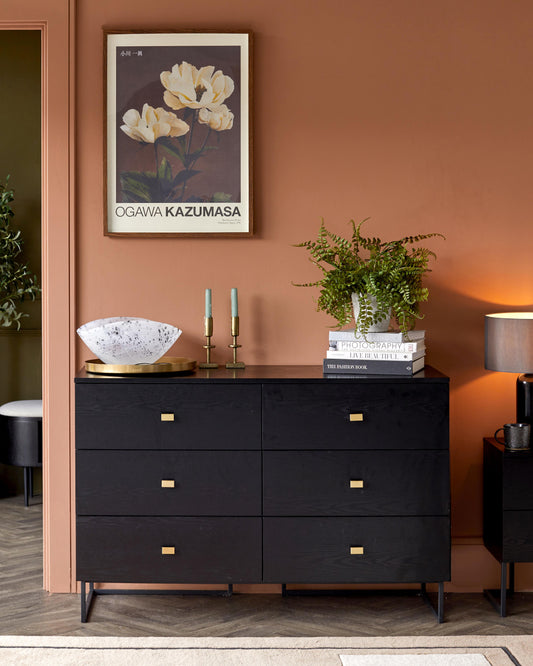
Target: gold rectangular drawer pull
pixel 356 483
pixel 356 417
pixel 168 550
pixel 357 550
pixel 167 416
pixel 167 483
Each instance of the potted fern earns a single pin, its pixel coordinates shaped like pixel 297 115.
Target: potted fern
pixel 16 280
pixel 375 278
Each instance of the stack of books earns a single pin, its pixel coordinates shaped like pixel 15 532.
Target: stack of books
pixel 390 353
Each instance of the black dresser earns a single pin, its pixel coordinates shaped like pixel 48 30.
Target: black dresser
pixel 507 513
pixel 270 474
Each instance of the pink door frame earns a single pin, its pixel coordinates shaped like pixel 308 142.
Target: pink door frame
pixel 55 19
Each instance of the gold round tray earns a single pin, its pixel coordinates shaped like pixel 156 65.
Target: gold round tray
pixel 165 364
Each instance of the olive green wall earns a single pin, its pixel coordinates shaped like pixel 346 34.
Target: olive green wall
pixel 20 156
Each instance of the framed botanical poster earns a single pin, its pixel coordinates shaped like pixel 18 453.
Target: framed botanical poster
pixel 178 134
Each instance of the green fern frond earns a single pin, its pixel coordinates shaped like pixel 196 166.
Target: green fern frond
pixel 390 271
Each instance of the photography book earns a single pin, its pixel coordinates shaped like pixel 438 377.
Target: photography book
pixel 364 345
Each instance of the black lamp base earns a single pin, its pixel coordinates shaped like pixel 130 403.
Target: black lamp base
pixel 524 399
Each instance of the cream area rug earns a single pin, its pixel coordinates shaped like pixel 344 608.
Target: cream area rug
pixel 385 651
pixel 415 660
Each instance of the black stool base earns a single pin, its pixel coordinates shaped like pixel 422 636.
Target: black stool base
pixel 21 445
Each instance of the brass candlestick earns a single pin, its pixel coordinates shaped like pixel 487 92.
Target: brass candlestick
pixel 208 346
pixel 235 346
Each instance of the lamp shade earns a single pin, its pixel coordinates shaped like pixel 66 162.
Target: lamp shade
pixel 509 342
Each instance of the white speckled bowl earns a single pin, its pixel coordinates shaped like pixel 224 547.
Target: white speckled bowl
pixel 128 340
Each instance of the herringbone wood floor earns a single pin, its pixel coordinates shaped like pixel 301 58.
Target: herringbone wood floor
pixel 25 609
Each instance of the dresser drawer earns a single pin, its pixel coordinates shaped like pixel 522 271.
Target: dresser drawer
pixel 356 483
pixel 167 416
pixel 207 550
pixel 365 415
pixel 186 483
pixel 517 536
pixel 317 550
pixel 517 486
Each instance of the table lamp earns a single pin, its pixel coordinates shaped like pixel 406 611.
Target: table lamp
pixel 509 348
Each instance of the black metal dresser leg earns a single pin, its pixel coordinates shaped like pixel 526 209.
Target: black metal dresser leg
pixel 86 601
pixel 439 608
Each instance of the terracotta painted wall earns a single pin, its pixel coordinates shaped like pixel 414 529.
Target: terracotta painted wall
pixel 415 113
pixel 53 20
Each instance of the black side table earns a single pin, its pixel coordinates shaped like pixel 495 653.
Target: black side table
pixel 507 513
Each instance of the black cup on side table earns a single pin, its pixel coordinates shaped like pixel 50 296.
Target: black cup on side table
pixel 516 436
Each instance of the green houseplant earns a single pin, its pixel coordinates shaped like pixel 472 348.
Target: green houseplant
pixel 16 280
pixel 385 275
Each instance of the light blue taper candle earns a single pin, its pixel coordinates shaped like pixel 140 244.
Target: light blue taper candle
pixel 208 310
pixel 234 303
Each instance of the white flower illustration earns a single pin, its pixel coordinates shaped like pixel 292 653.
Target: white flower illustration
pixel 152 124
pixel 187 86
pixel 218 118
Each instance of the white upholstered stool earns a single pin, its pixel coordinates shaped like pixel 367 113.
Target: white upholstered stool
pixel 21 437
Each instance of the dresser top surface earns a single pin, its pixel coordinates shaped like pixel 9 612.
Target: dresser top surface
pixel 257 374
